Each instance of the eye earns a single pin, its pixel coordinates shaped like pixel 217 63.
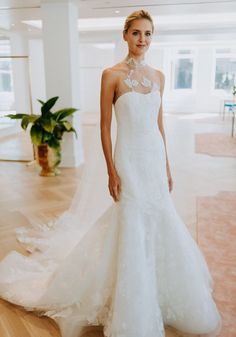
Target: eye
pixel 148 34
pixel 135 33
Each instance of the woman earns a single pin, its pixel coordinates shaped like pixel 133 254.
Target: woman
pixel 139 179
pixel 137 268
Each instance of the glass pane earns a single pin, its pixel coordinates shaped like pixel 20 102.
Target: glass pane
pixel 6 82
pixel 183 73
pixel 225 74
pixel 5 76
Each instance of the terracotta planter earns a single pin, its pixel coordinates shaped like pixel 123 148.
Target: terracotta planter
pixel 49 159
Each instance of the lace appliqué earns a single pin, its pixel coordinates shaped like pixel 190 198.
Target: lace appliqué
pixel 131 83
pixel 145 82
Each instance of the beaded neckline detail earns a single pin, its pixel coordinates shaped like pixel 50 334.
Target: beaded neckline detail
pixel 135 63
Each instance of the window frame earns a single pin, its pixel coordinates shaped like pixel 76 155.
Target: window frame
pixel 175 56
pixel 220 92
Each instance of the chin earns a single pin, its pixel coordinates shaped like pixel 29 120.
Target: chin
pixel 141 51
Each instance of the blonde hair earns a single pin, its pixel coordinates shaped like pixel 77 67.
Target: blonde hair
pixel 137 15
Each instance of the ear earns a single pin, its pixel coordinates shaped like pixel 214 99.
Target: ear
pixel 124 35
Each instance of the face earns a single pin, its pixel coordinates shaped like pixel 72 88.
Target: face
pixel 139 36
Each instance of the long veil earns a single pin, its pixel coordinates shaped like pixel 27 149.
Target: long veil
pixel 55 239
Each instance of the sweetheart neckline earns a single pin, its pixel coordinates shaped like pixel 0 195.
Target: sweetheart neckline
pixel 136 92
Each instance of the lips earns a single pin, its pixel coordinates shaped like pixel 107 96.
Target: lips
pixel 140 45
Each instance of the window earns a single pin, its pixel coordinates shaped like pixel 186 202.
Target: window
pixel 182 77
pixel 6 80
pixel 225 69
pixel 5 76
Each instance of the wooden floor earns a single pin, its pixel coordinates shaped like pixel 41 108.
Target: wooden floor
pixel 28 197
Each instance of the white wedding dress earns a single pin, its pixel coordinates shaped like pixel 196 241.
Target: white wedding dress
pixel 136 268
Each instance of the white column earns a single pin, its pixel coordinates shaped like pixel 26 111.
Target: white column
pixel 60 41
pixel 37 73
pixel 20 70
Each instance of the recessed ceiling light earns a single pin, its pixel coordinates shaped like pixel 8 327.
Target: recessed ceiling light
pixel 117 12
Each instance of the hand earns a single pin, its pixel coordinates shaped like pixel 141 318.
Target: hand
pixel 114 186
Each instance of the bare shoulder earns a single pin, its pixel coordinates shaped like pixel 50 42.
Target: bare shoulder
pixel 108 76
pixel 111 74
pixel 161 76
pixel 161 79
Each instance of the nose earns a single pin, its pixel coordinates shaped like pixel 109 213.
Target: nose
pixel 142 37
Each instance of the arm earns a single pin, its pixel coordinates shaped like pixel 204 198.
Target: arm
pixel 162 131
pixel 106 99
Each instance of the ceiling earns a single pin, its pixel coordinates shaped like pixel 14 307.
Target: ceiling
pixel 173 16
pixel 104 8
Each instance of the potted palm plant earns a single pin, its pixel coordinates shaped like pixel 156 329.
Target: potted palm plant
pixel 46 134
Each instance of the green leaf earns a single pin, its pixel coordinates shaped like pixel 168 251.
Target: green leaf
pixel 25 122
pixel 42 102
pixel 48 124
pixel 67 125
pixel 73 130
pixel 48 105
pixel 36 134
pixel 61 114
pixel 16 116
pixel 54 143
pixel 58 131
pixel 33 118
pixel 46 137
pixel 46 116
pixel 28 119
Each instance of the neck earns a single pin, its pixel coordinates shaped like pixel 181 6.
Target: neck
pixel 135 60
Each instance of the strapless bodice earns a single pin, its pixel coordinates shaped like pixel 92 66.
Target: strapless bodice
pixel 136 116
